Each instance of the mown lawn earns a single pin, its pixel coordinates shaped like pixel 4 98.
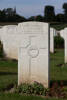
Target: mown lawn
pixel 9 69
pixel 19 97
pixel 58 69
pixel 8 73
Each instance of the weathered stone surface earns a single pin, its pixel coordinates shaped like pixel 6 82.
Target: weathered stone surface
pixel 10 40
pixel 33 56
pixel 62 33
pixel 55 32
pixel 52 32
pixel 65 44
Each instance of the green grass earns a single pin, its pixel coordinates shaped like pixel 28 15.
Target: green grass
pixel 58 70
pixel 8 73
pixel 19 97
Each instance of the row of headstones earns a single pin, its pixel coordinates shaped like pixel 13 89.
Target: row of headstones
pixel 13 34
pixel 63 34
pixel 34 43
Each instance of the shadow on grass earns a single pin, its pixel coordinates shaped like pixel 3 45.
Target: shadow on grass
pixel 7 73
pixel 59 82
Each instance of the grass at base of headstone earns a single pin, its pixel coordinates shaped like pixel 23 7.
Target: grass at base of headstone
pixel 8 73
pixel 24 97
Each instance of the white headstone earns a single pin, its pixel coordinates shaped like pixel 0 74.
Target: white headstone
pixel 9 29
pixel 65 43
pixel 33 56
pixel 11 41
pixel 0 32
pixel 55 32
pixel 52 40
pixel 63 34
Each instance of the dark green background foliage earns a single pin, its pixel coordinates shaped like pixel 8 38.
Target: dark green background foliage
pixel 10 15
pixel 49 13
pixel 58 42
pixel 65 11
